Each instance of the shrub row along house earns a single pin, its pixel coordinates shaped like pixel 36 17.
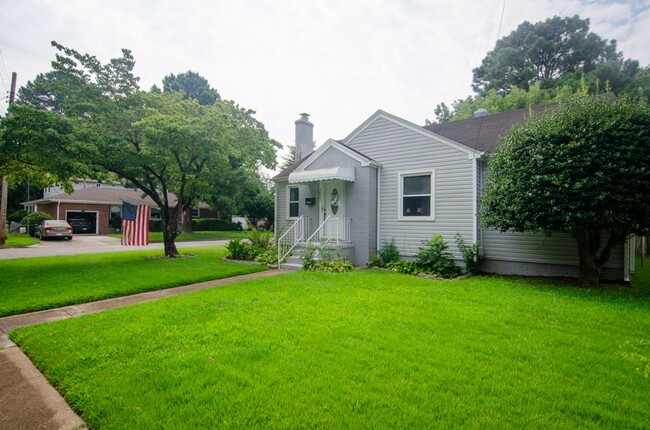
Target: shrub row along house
pixel 392 180
pixel 99 204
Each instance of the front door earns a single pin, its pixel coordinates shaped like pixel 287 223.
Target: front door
pixel 332 204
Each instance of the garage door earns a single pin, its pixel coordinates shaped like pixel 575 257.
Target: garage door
pixel 82 222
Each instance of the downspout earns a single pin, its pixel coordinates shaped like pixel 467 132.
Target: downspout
pixel 475 200
pixel 626 261
pixel 58 207
pixel 275 214
pixel 378 207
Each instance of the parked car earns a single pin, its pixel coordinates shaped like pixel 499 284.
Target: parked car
pixel 80 225
pixel 50 228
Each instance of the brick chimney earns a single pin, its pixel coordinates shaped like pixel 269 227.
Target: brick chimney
pixel 304 137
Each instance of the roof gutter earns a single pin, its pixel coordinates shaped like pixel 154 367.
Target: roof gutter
pixel 87 202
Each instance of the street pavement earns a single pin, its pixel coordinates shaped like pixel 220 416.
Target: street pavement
pixel 89 244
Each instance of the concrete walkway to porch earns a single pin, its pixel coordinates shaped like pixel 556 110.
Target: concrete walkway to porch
pixel 27 400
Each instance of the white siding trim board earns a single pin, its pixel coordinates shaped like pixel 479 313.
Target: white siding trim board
pixel 289 201
pixel 336 145
pixel 475 200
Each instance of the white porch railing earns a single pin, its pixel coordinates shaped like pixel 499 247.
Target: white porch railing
pixel 292 237
pixel 335 230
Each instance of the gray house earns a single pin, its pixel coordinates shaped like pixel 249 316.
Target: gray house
pixel 391 179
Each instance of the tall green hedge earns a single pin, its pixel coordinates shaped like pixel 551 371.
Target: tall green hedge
pixel 34 219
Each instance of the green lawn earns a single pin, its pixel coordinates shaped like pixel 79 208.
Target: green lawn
pixel 30 284
pixel 367 349
pixel 18 241
pixel 156 237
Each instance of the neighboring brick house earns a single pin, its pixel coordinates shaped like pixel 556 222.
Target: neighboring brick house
pixel 101 206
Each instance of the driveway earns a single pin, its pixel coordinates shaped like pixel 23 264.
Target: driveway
pixel 89 244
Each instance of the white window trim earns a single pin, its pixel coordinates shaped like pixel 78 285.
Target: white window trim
pixel 400 191
pixel 288 212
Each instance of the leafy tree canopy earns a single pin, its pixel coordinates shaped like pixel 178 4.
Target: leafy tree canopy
pixel 246 193
pixel 289 158
pixel 545 52
pixel 582 168
pixel 191 85
pixel 494 102
pixel 547 62
pixel 85 119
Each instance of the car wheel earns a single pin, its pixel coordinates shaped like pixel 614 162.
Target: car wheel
pixel 69 238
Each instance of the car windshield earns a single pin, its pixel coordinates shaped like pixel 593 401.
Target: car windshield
pixel 56 223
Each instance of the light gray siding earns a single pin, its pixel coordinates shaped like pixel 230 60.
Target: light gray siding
pixel 400 149
pixel 333 158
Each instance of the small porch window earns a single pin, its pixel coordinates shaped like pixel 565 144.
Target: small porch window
pixel 416 196
pixel 294 202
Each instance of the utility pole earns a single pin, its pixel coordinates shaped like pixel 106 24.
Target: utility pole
pixel 5 188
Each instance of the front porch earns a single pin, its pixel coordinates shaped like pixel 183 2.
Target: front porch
pixel 316 199
pixel 332 236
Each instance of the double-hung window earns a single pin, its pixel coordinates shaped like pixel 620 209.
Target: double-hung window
pixel 416 196
pixel 294 201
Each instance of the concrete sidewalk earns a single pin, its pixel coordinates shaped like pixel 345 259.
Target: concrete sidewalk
pixel 27 400
pixel 93 244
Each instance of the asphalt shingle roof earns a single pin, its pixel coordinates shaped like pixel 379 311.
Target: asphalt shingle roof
pixel 483 133
pixel 107 196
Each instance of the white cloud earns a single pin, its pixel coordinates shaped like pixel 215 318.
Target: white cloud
pixel 337 60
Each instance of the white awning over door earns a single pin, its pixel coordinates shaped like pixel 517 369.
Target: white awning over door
pixel 340 173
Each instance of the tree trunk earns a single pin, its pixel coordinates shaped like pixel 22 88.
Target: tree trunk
pixel 591 264
pixel 588 240
pixel 171 231
pixel 169 238
pixel 589 269
pixel 187 221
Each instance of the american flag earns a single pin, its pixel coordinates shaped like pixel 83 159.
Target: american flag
pixel 135 224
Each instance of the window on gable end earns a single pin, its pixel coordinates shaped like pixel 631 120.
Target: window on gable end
pixel 416 196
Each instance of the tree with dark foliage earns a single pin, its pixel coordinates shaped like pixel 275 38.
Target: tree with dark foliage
pixel 581 169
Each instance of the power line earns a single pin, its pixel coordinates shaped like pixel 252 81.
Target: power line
pixel 4 69
pixel 4 84
pixel 503 9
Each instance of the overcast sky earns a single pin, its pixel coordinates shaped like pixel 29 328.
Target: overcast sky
pixel 339 61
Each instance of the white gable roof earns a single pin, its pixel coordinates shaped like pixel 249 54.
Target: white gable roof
pixel 412 127
pixel 340 173
pixel 331 143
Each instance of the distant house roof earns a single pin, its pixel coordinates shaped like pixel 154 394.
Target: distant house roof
pixel 484 132
pixel 104 196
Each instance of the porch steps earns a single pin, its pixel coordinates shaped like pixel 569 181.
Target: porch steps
pixel 292 262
